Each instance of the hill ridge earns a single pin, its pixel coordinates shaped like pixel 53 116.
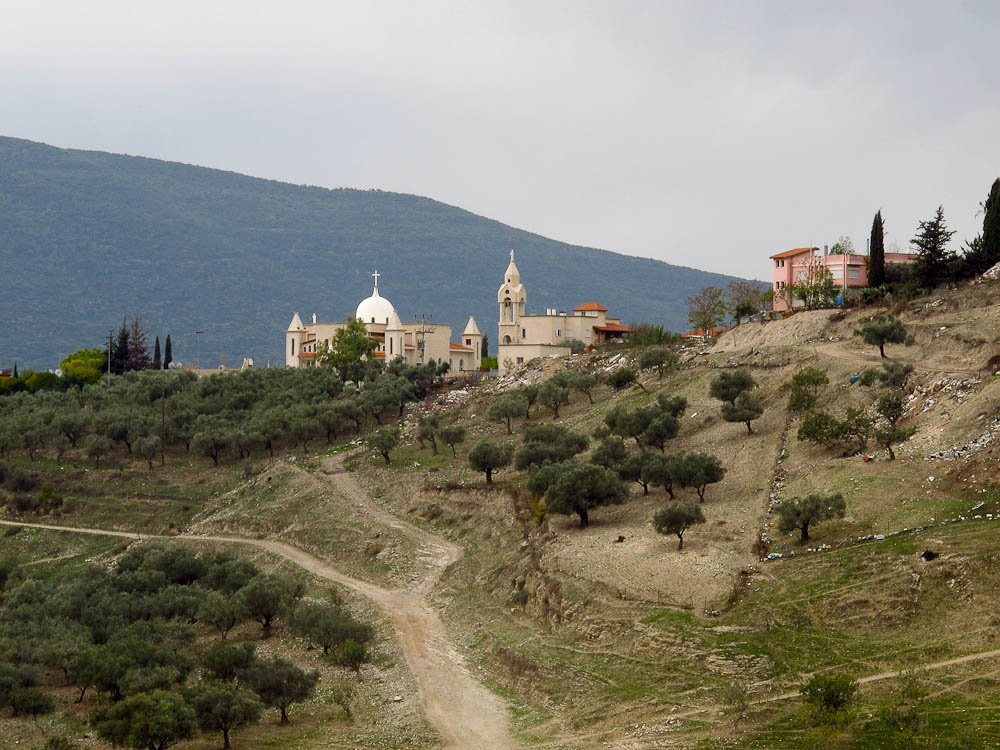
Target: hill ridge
pixel 192 248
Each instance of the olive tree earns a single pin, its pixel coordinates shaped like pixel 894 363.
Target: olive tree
pixel 489 457
pixel 698 470
pixel 384 440
pixel 728 385
pixel 745 409
pixel 676 518
pixel 579 488
pixel 885 329
pixel 801 513
pixel 452 436
pixel 223 708
pixel 280 683
pixel 508 408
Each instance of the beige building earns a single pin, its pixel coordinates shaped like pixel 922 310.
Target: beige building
pixel 416 343
pixel 523 337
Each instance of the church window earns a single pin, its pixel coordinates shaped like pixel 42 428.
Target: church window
pixel 524 333
pixel 293 347
pixel 506 339
pixel 390 346
pixel 468 342
pixel 558 332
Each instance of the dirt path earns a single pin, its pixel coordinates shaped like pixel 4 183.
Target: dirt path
pixel 837 350
pixel 465 713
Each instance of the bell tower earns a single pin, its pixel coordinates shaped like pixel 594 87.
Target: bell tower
pixel 511 297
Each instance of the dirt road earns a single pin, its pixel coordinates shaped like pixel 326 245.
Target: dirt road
pixel 465 713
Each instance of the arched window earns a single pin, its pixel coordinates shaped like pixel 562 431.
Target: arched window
pixel 293 347
pixel 390 346
pixel 508 311
pixel 506 339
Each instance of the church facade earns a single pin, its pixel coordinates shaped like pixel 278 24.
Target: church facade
pixel 415 343
pixel 523 337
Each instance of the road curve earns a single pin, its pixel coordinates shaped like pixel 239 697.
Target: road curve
pixel 465 713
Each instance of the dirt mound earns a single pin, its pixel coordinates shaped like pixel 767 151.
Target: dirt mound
pixel 800 328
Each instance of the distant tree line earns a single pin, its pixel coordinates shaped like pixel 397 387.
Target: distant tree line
pixel 128 351
pixel 149 415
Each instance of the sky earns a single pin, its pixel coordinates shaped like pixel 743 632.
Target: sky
pixel 705 134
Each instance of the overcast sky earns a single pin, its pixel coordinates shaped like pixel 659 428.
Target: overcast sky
pixel 707 134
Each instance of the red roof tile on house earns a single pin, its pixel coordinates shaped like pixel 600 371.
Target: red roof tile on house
pixel 790 253
pixel 613 328
pixel 590 307
pixel 458 347
pixel 699 332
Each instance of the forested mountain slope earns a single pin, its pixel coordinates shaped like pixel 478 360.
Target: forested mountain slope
pixel 87 237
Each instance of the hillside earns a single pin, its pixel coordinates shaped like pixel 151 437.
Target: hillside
pixel 87 237
pixel 605 636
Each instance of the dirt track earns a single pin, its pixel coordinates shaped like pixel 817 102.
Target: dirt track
pixel 465 713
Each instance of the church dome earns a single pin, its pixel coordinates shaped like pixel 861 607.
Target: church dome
pixel 375 309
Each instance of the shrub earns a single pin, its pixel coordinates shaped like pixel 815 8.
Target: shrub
pixel 829 697
pixel 621 378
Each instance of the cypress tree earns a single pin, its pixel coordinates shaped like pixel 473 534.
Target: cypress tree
pixel 15 369
pixel 156 354
pixel 991 226
pixel 168 356
pixel 931 243
pixel 876 252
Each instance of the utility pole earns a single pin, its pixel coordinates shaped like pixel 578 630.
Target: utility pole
pixel 424 330
pixel 163 424
pixel 198 339
pixel 110 333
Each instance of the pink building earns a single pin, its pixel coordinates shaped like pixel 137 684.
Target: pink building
pixel 805 264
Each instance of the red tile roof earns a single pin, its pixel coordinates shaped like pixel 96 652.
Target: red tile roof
pixel 452 345
pixel 790 253
pixel 613 328
pixel 700 332
pixel 590 307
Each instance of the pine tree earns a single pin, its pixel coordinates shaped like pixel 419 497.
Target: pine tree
pixel 156 355
pixel 168 356
pixel 119 351
pixel 876 252
pixel 931 243
pixel 138 349
pixel 991 226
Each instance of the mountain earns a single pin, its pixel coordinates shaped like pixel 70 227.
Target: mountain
pixel 87 237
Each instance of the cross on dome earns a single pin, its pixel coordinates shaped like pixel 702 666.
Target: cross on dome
pixel 377 274
pixel 511 256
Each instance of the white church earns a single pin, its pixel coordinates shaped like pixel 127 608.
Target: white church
pixel 416 343
pixel 522 337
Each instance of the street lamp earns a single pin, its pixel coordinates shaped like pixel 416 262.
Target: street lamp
pixel 198 339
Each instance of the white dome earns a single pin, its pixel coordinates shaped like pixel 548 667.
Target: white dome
pixel 375 309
